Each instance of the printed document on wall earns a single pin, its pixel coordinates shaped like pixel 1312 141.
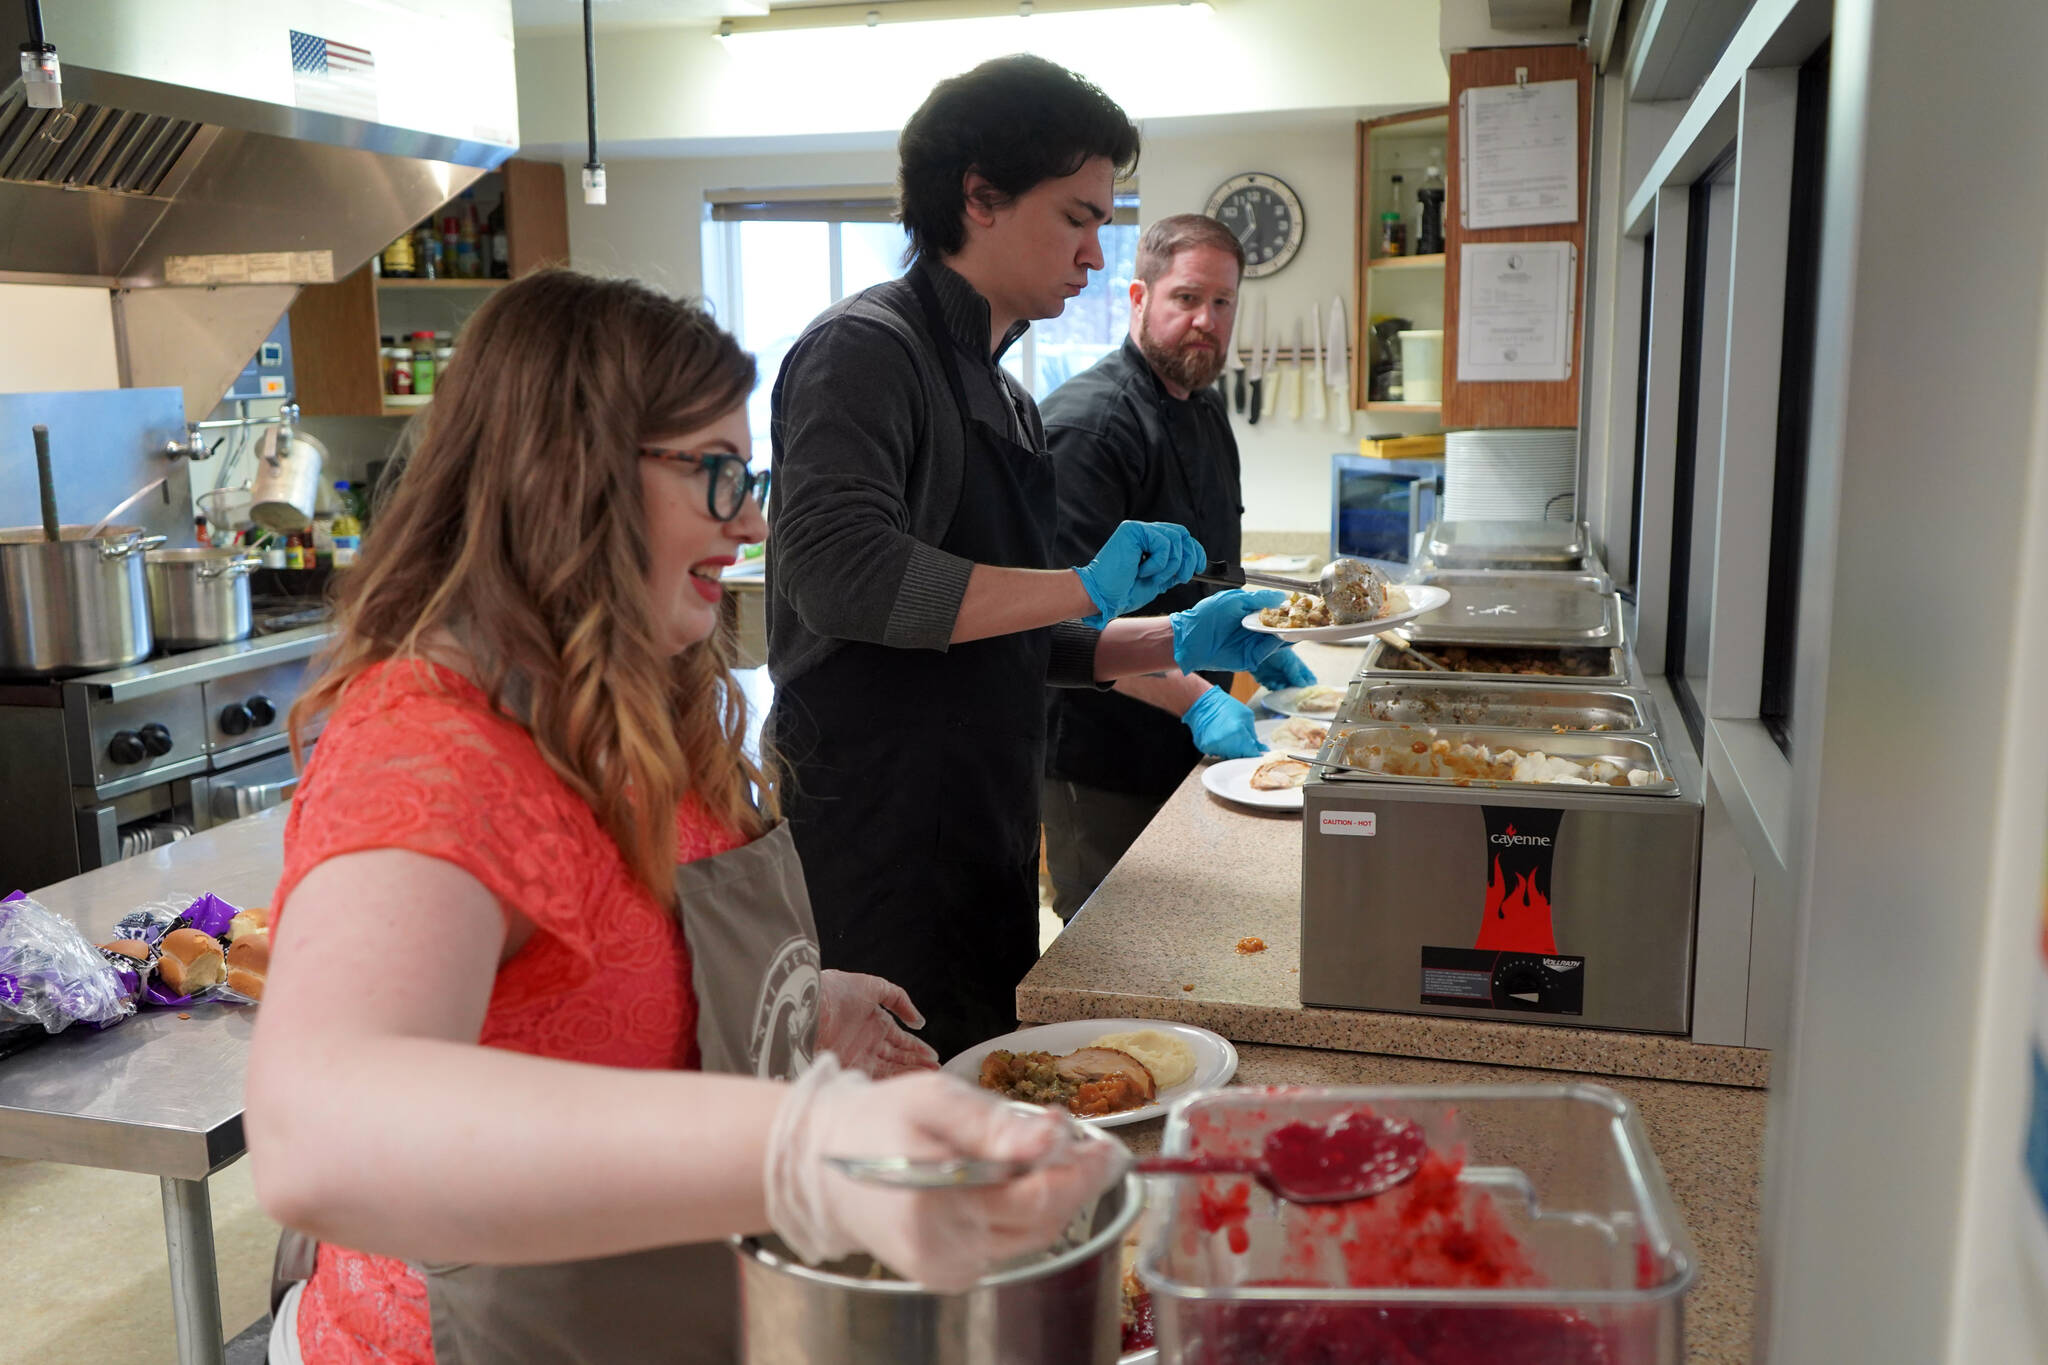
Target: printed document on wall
pixel 1515 311
pixel 1519 147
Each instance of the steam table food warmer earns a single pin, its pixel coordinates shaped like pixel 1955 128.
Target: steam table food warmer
pixel 1537 902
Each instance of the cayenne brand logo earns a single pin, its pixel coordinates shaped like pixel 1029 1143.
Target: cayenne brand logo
pixel 1520 846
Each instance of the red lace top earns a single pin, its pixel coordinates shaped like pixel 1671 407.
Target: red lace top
pixel 415 758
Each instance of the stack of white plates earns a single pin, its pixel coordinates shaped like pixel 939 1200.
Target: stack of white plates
pixel 1510 475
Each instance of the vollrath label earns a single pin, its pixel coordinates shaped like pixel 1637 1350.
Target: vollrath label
pixel 1349 822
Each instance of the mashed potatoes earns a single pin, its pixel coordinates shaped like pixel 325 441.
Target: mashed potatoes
pixel 1170 1060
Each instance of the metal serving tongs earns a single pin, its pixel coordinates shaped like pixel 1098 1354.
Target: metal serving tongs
pixel 1396 640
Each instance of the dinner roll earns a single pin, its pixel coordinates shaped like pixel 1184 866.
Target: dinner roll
pixel 248 962
pixel 192 961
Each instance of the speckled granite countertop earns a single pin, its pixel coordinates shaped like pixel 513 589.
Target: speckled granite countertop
pixel 1159 940
pixel 1708 1138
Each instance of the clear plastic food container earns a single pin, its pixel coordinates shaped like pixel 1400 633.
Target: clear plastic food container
pixel 1539 1231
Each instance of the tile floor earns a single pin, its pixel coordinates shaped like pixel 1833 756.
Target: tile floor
pixel 84 1276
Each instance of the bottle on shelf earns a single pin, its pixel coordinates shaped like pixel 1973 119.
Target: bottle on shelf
pixel 401 369
pixel 386 362
pixel 294 553
pixel 423 376
pixel 451 241
pixel 444 351
pixel 400 261
pixel 1429 211
pixel 501 254
pixel 469 261
pixel 428 248
pixel 273 551
pixel 1394 231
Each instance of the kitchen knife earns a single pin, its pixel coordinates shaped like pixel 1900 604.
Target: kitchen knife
pixel 1291 393
pixel 1318 397
pixel 1272 403
pixel 1337 365
pixel 1258 365
pixel 1232 382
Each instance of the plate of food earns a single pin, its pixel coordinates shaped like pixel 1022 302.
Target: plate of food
pixel 1296 734
pixel 1106 1072
pixel 1304 616
pixel 1269 782
pixel 1316 702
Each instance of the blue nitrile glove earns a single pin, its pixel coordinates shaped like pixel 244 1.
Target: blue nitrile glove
pixel 1222 726
pixel 1283 668
pixel 1211 633
pixel 1140 560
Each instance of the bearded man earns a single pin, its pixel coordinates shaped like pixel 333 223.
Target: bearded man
pixel 1143 435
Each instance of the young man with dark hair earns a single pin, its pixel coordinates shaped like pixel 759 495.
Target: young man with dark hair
pixel 1141 434
pixel 916 606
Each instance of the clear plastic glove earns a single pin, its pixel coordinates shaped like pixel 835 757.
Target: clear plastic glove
pixel 943 1239
pixel 1211 633
pixel 1283 668
pixel 1222 726
pixel 858 1021
pixel 1140 560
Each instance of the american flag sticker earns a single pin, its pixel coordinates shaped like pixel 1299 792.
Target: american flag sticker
pixel 335 78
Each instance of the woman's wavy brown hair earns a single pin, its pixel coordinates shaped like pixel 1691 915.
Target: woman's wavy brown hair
pixel 517 526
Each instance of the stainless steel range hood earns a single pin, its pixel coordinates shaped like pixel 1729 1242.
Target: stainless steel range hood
pixel 211 158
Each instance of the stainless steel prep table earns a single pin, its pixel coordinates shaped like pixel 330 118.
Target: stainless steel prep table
pixel 156 1093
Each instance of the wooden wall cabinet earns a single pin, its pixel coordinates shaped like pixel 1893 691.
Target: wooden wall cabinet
pixel 1406 286
pixel 336 328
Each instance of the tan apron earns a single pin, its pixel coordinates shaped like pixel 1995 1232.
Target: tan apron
pixel 754 956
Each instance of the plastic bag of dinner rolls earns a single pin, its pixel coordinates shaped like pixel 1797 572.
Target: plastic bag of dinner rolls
pixel 50 977
pixel 176 948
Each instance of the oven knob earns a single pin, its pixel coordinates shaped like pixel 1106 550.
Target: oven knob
pixel 1523 982
pixel 234 719
pixel 126 747
pixel 156 739
pixel 260 710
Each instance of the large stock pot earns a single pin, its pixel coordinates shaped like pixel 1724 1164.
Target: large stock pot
pixel 75 605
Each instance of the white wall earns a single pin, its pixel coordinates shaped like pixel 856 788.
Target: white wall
pixel 651 229
pixel 56 337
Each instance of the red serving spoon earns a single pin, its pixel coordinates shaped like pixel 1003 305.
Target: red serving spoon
pixel 1354 1156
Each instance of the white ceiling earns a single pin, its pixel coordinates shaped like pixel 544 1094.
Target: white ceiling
pixel 568 14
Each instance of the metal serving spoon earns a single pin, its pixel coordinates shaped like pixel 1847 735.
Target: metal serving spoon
pixel 1356 1156
pixel 1339 585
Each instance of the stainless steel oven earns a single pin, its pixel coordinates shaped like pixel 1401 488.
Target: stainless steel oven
pixel 1379 509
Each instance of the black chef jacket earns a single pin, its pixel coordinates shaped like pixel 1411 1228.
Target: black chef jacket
pixel 1124 449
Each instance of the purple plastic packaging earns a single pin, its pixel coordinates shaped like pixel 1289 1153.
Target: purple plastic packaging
pixel 50 977
pixel 149 923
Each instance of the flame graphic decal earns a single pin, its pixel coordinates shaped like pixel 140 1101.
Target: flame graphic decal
pixel 1518 920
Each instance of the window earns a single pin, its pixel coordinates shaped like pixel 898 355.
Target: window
pixel 1795 398
pixel 1696 485
pixel 777 259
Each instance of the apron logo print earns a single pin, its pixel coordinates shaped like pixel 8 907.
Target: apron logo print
pixel 786 1018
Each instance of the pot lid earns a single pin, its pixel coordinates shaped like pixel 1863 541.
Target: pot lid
pixel 1525 616
pixel 1475 544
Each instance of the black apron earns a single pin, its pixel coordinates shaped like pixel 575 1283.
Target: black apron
pixel 914 773
pixel 754 964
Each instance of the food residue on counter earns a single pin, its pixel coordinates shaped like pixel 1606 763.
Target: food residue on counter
pixel 1249 946
pixel 1190 986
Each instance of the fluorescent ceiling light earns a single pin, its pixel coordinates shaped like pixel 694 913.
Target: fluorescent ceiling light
pixel 953 14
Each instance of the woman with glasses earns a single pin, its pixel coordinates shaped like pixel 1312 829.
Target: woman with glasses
pixel 536 894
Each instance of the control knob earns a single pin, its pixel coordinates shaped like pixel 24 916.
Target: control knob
pixel 235 719
pixel 126 747
pixel 156 740
pixel 261 712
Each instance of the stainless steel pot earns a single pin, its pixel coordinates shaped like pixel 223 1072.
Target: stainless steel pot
pixel 286 488
pixel 75 606
pixel 1057 1310
pixel 198 597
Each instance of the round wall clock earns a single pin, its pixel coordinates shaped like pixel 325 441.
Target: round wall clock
pixel 1266 216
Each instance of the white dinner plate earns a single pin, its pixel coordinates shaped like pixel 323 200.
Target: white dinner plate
pixel 1232 780
pixel 1215 1058
pixel 1271 725
pixel 1422 599
pixel 1287 701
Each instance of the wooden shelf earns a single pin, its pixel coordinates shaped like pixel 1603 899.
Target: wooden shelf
pixel 1403 407
pixel 403 409
pixel 401 283
pixel 1435 262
